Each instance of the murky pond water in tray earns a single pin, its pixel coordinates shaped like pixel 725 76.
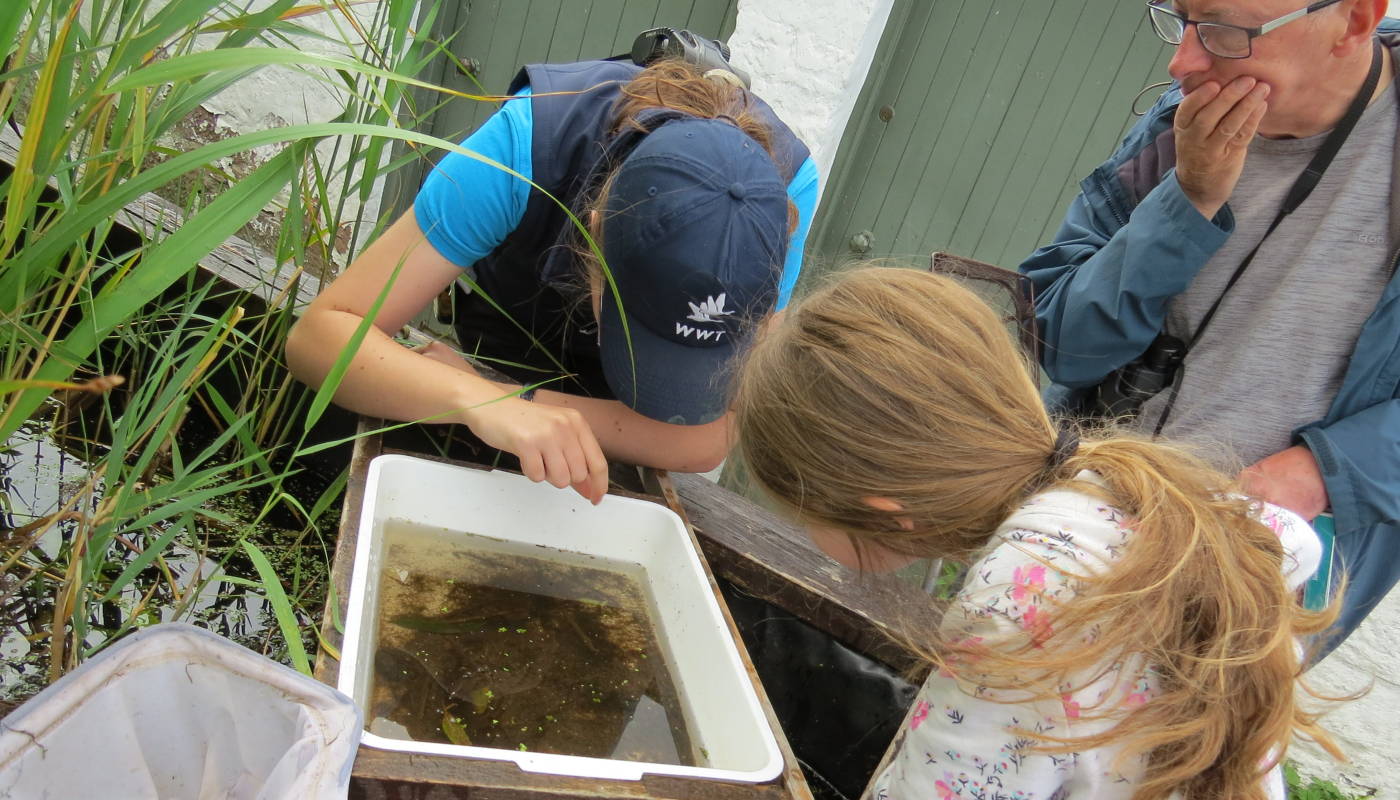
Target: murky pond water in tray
pixel 495 647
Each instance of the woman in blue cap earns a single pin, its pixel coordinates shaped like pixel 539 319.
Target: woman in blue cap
pixel 700 199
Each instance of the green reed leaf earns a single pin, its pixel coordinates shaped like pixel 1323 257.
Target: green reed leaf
pixel 197 65
pixel 281 607
pixel 347 353
pixel 148 555
pixel 160 267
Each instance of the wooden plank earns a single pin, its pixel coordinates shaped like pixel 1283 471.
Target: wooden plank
pixel 472 40
pixel 706 17
pixel 774 560
pixel 1093 42
pixel 637 16
pixel 367 448
pixel 569 25
pixel 538 35
pixel 1023 97
pixel 658 482
pixel 861 138
pixel 676 14
pixel 1029 159
pixel 905 164
pixel 1145 63
pixel 731 18
pixel 379 774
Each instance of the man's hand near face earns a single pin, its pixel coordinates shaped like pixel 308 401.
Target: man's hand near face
pixel 1214 126
pixel 1290 479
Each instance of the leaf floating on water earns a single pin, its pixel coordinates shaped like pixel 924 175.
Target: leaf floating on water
pixel 441 626
pixel 453 729
pixel 403 575
pixel 481 698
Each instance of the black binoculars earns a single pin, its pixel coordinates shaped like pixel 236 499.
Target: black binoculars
pixel 1126 389
pixel 707 54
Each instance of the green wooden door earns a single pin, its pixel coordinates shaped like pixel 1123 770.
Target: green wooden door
pixel 499 36
pixel 977 122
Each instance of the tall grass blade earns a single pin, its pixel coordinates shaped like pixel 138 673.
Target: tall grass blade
pixel 198 64
pixel 281 606
pixel 347 353
pixel 161 267
pixel 148 555
pixel 11 15
pixel 329 495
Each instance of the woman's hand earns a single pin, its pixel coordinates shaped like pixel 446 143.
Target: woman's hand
pixel 553 444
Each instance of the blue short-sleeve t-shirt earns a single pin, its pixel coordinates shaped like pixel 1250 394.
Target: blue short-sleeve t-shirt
pixel 467 207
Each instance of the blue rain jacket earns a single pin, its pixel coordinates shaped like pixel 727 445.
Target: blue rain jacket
pixel 1130 242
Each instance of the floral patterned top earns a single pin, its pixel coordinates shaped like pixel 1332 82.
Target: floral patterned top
pixel 967 746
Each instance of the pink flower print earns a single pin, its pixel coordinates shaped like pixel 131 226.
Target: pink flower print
pixel 1071 707
pixel 1027 582
pixel 1270 517
pixel 948 787
pixel 920 714
pixel 1036 622
pixel 1141 693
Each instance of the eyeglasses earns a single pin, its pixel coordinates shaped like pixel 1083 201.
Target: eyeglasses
pixel 1226 41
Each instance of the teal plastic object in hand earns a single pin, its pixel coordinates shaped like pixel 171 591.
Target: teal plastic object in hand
pixel 1317 592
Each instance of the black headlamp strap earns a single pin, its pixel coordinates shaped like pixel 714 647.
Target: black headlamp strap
pixel 1312 175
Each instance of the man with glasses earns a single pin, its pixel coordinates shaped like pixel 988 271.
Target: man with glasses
pixel 1248 215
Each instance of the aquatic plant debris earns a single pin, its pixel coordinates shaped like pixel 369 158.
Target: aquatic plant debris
pixel 579 669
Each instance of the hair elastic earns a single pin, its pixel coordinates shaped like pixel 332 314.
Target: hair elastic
pixel 1066 445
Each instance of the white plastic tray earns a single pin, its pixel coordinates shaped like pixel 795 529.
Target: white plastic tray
pixel 724 715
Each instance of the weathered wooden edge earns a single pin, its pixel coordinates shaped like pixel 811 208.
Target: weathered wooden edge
pixel 659 483
pixel 864 611
pixel 367 447
pixel 890 752
pixel 384 774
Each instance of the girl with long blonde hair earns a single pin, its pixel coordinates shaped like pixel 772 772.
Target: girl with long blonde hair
pixel 1128 625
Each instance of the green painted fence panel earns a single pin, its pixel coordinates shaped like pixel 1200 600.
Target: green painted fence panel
pixel 908 91
pixel 993 111
pixel 498 36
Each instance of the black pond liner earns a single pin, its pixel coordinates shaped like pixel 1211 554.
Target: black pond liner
pixel 839 708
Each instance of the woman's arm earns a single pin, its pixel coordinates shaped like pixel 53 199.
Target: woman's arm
pixel 624 434
pixel 388 380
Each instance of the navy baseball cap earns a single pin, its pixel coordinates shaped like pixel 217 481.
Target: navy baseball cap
pixel 695 235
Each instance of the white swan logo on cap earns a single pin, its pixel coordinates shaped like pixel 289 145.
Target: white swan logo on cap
pixel 708 310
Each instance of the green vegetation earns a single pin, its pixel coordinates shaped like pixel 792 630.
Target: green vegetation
pixel 187 492
pixel 1313 789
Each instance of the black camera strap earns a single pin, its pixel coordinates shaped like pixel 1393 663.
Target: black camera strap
pixel 1302 187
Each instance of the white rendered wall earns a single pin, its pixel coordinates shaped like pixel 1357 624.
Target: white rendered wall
pixel 809 61
pixel 279 97
pixel 1367 729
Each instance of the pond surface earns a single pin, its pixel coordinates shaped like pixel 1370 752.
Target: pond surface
pixel 493 649
pixel 40 474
